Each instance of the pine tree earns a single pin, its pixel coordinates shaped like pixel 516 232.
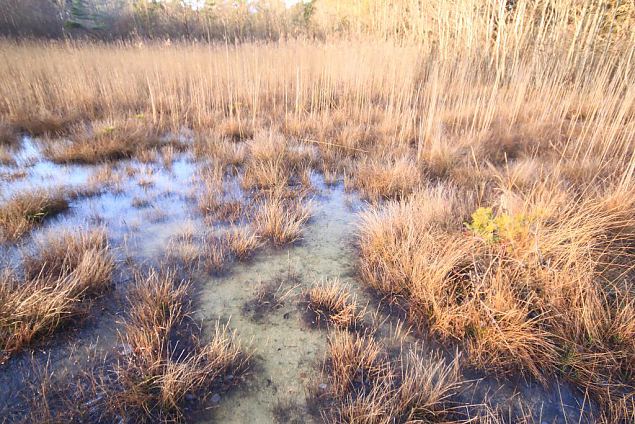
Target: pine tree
pixel 80 16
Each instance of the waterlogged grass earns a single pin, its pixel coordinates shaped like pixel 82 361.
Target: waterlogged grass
pixel 22 212
pixel 155 374
pixel 60 277
pixel 495 162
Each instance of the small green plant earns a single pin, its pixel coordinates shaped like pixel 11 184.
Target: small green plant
pixel 483 224
pixel 108 130
pixel 499 227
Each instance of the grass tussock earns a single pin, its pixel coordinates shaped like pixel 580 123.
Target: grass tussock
pixel 332 303
pixel 44 124
pixel 216 254
pixel 377 179
pixel 7 157
pixel 84 253
pixel 8 135
pixel 227 155
pixel 354 362
pixel 216 200
pixel 235 129
pixel 366 386
pixel 103 142
pixel 267 166
pixel 185 249
pixel 165 361
pixel 24 211
pixel 523 288
pixel 237 243
pixel 59 277
pixel 242 242
pixel 281 220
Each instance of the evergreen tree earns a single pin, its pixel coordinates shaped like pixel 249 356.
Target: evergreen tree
pixel 80 16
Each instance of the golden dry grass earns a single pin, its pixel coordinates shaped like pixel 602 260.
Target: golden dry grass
pixel 281 219
pixel 104 141
pixel 377 179
pixel 162 366
pixel 332 303
pixel 215 201
pixel 366 386
pixel 215 254
pixel 530 296
pixel 242 242
pixel 526 109
pixel 24 211
pixel 60 275
pixel 353 362
pixel 8 135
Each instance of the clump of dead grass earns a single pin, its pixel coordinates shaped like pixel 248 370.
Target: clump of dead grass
pixel 185 248
pixel 166 361
pixel 45 123
pixel 216 254
pixel 378 179
pixel 59 276
pixel 24 211
pixel 354 362
pixel 8 135
pixel 524 289
pixel 281 219
pixel 331 302
pixel 367 386
pixel 7 156
pixel 235 129
pixel 84 253
pixel 104 142
pixel 227 155
pixel 267 166
pixel 215 200
pixel 242 242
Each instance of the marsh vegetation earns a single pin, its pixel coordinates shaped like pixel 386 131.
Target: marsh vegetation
pixel 425 215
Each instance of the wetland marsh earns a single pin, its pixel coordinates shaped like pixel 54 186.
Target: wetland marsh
pixel 363 229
